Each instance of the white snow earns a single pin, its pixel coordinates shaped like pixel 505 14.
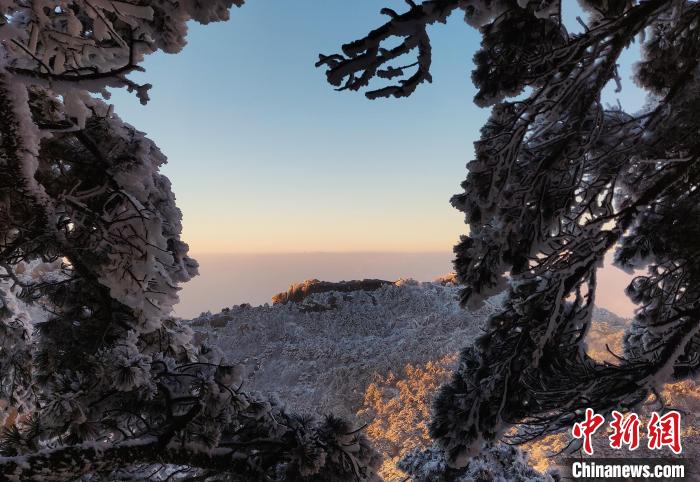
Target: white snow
pixel 320 354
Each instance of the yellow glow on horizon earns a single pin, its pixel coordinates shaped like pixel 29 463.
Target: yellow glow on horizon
pixel 284 232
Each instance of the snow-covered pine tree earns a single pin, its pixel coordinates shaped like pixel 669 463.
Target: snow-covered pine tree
pixel 97 379
pixel 558 180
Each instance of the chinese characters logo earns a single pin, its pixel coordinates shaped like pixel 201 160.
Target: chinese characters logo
pixel 662 430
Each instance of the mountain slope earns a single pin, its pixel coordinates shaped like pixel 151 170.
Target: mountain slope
pixel 322 352
pixel 374 352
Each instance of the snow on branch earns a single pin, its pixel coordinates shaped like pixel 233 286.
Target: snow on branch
pixel 365 58
pixel 368 58
pixel 558 180
pixel 95 44
pixel 97 378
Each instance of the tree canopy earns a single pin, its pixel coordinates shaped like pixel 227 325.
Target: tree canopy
pixel 558 180
pixel 97 378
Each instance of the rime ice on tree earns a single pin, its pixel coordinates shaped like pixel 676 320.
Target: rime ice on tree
pixel 106 383
pixel 558 180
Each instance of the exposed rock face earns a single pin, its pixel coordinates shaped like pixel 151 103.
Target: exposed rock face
pixel 450 279
pixel 299 291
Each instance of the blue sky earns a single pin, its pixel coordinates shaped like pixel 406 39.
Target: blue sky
pixel 265 156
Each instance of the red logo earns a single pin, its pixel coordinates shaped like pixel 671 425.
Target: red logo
pixel 625 430
pixel 662 430
pixel 587 428
pixel 665 431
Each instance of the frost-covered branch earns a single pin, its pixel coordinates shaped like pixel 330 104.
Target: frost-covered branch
pixel 366 58
pixel 100 379
pixel 558 180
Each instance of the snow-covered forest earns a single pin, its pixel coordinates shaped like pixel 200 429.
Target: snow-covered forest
pixel 99 381
pixel 377 356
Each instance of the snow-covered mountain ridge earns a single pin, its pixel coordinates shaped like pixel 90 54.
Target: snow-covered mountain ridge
pixel 321 352
pixel 357 348
pixel 319 344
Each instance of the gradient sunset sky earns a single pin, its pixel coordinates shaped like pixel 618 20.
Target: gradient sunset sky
pixel 265 156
